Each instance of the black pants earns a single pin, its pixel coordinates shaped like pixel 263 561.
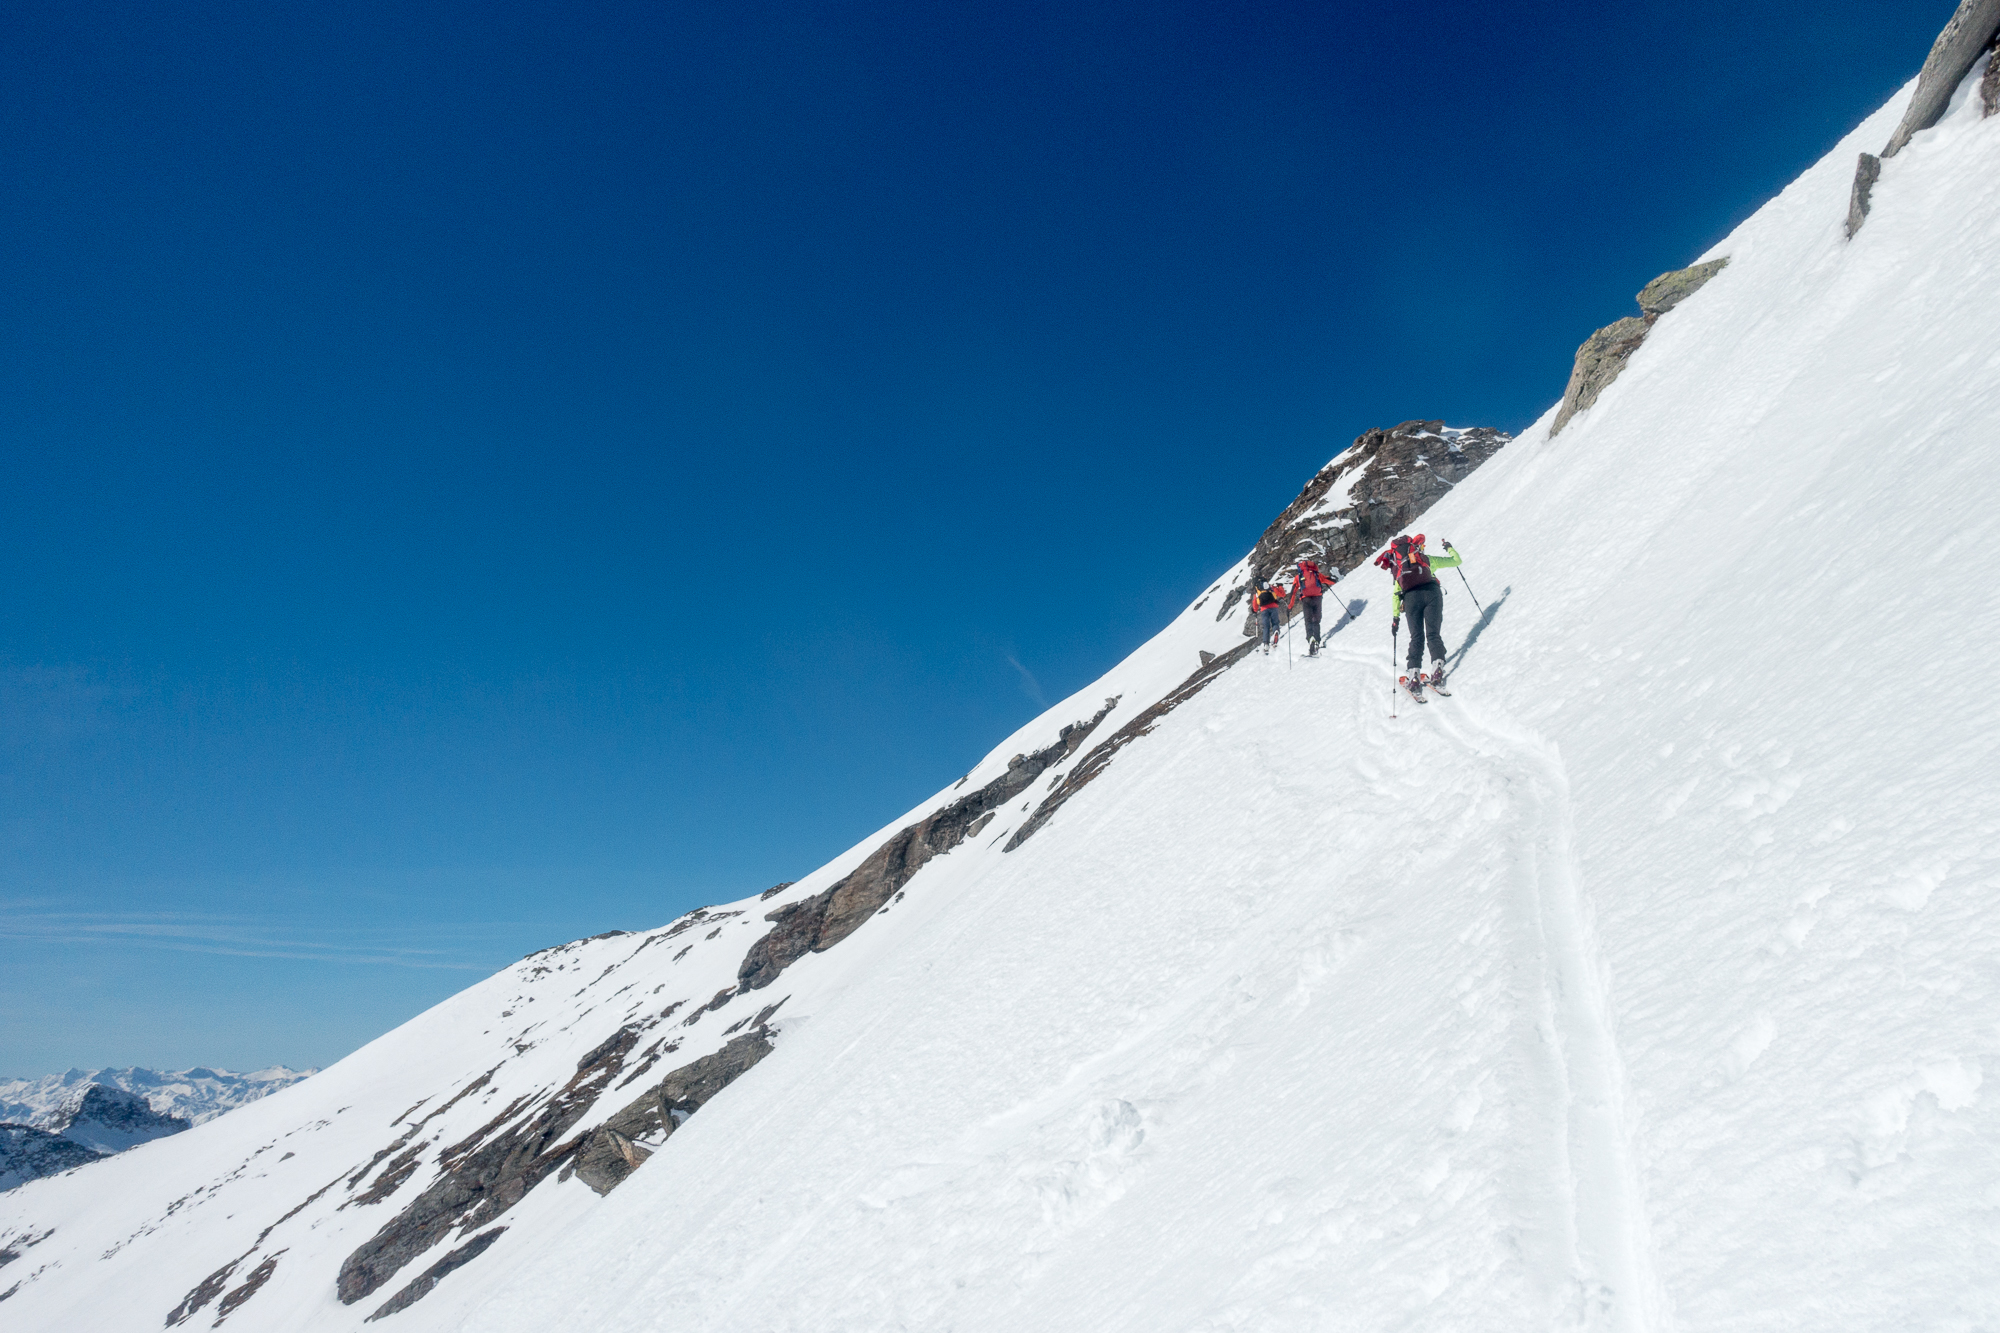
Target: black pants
pixel 1311 604
pixel 1425 609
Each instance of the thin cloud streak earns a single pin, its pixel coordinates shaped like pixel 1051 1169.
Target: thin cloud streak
pixel 227 936
pixel 1028 681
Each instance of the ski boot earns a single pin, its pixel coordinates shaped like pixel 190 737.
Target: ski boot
pixel 1413 685
pixel 1436 679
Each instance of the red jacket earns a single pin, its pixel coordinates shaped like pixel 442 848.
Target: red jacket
pixel 1312 581
pixel 1276 593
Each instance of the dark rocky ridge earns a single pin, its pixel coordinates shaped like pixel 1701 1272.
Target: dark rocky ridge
pixel 493 1169
pixel 816 924
pixel 28 1153
pixel 487 1173
pixel 1605 352
pixel 1396 475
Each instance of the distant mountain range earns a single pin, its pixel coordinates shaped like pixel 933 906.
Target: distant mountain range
pixel 52 1124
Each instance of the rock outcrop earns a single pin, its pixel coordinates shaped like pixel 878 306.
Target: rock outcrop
pixel 1668 290
pixel 816 924
pixel 1866 172
pixel 420 1286
pixel 614 1150
pixel 1970 33
pixel 1989 87
pixel 486 1173
pixel 1605 352
pixel 1380 484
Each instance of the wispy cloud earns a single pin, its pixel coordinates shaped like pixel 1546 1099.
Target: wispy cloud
pixel 1032 686
pixel 238 937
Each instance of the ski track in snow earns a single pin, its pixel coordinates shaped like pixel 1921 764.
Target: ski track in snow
pixel 1603 1273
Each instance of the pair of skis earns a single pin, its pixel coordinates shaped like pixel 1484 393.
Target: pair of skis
pixel 1436 686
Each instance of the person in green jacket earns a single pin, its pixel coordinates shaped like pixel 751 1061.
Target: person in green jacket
pixel 1417 592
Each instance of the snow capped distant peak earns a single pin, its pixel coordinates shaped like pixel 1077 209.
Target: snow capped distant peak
pixel 195 1095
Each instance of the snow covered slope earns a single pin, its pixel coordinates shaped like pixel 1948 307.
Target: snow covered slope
pixel 1646 983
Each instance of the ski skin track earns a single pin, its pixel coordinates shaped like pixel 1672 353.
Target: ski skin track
pixel 1601 1276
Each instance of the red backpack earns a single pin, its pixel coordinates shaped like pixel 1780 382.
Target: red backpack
pixel 1406 562
pixel 1311 581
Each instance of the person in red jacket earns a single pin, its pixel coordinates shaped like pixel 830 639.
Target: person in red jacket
pixel 1310 585
pixel 1264 604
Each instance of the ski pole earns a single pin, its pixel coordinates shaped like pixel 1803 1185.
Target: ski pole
pixel 1462 579
pixel 1395 628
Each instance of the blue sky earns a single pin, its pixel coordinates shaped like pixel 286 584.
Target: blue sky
pixel 479 475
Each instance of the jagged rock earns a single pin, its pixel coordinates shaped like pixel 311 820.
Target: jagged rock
pixel 612 1151
pixel 1970 31
pixel 1668 290
pixel 816 924
pixel 1375 488
pixel 420 1286
pixel 1866 172
pixel 1989 87
pixel 28 1153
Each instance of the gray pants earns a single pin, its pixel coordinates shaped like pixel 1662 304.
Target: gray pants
pixel 1424 608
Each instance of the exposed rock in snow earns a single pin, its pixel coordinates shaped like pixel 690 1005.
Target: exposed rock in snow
pixel 1989 87
pixel 1605 352
pixel 1970 31
pixel 818 923
pixel 1867 171
pixel 420 1286
pixel 1375 488
pixel 1668 290
pixel 1973 29
pixel 616 1148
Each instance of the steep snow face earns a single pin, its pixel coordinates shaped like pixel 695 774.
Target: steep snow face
pixel 195 1095
pixel 1644 983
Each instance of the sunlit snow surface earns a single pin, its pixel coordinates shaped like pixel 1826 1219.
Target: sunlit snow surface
pixel 1649 982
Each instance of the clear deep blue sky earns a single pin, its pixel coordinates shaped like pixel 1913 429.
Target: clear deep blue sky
pixel 478 475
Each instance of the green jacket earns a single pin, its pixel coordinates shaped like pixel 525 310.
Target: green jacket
pixel 1451 560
